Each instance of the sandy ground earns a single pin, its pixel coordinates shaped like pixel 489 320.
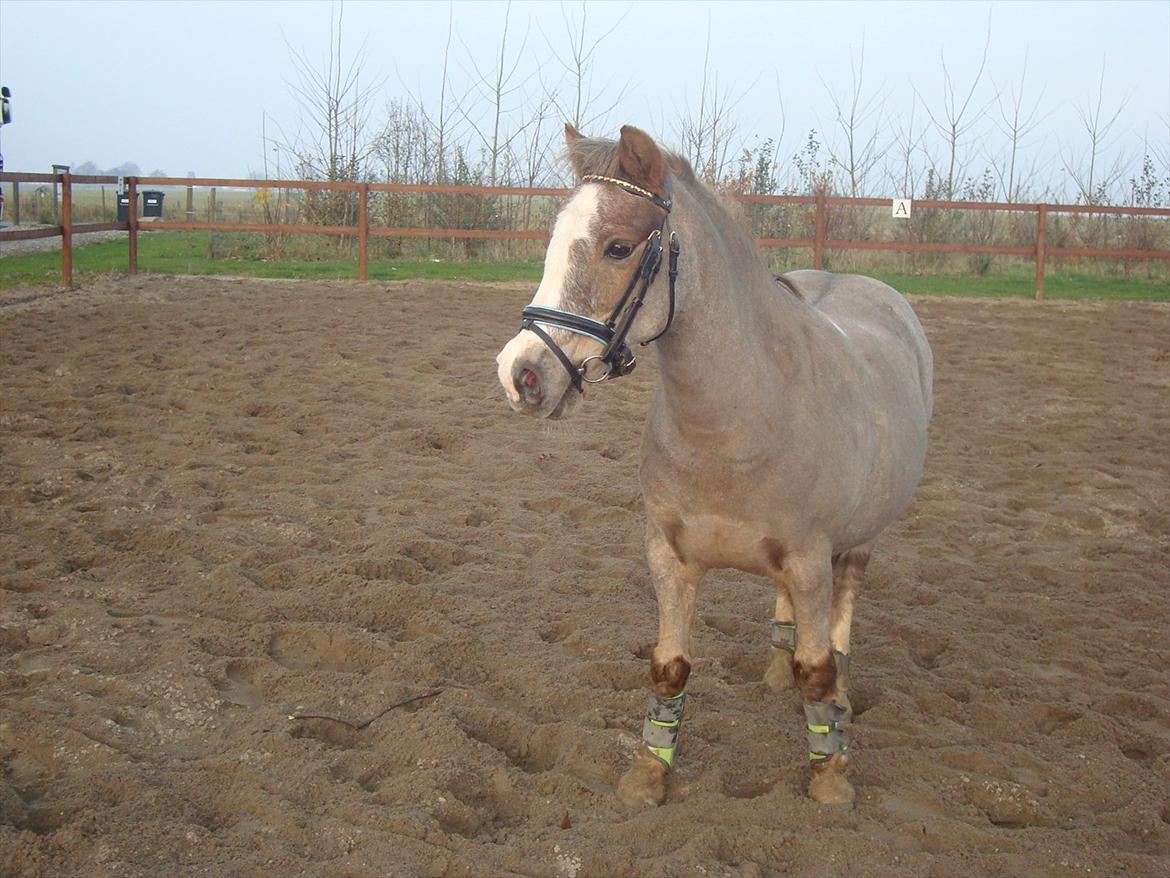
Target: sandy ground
pixel 227 502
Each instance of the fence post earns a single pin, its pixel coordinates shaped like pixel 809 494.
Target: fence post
pixel 132 217
pixel 16 203
pixel 1041 247
pixel 67 230
pixel 363 229
pixel 819 240
pixel 211 219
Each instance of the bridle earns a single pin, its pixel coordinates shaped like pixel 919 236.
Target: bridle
pixel 616 357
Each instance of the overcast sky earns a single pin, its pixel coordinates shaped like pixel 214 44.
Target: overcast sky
pixel 183 86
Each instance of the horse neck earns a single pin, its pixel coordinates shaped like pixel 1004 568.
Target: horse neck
pixel 735 330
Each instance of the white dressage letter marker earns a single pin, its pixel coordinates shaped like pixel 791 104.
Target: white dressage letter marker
pixel 901 208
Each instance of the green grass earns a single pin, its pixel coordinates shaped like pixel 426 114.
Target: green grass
pixel 186 253
pixel 1071 285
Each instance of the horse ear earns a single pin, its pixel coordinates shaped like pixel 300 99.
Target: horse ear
pixel 572 136
pixel 640 160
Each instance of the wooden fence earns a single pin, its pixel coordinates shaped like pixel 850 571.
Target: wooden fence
pixel 818 243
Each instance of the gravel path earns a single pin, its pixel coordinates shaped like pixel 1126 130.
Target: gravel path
pixel 40 245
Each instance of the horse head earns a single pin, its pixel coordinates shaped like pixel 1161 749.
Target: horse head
pixel 603 259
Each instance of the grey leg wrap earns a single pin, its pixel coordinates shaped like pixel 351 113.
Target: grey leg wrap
pixel 784 635
pixel 825 737
pixel 662 725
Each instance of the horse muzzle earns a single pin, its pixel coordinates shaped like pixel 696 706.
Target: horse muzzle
pixel 533 381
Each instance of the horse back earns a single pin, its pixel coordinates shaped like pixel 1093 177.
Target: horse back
pixel 868 310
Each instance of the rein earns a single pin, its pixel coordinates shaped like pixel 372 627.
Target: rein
pixel 616 356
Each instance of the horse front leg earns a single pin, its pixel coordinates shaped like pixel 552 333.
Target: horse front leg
pixel 809 577
pixel 676 585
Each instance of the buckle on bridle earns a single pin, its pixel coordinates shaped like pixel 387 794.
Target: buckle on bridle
pixel 617 365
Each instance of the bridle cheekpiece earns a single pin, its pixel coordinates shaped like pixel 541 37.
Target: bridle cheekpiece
pixel 616 357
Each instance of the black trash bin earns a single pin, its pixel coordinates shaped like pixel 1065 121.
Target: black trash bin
pixel 152 202
pixel 123 207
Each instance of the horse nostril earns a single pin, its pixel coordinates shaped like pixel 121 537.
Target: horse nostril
pixel 528 386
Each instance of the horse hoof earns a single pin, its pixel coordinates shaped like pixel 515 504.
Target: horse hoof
pixel 842 699
pixel 829 785
pixel 645 781
pixel 779 677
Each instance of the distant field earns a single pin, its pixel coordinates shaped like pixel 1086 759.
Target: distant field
pixel 188 253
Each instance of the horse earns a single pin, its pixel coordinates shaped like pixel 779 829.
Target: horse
pixel 789 427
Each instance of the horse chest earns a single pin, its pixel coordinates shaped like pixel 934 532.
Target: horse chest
pixel 716 541
pixel 718 515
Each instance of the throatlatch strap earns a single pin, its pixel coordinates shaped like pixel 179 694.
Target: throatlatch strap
pixel 825 737
pixel 784 635
pixel 661 728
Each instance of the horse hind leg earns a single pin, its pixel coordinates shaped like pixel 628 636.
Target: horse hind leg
pixel 779 677
pixel 848 573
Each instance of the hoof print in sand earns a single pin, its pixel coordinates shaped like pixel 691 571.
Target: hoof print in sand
pixel 747 786
pixel 927 650
pixel 435 556
pixel 328 731
pixel 316 650
pixel 558 632
pixel 747 667
pixel 735 627
pixel 394 570
pixel 524 745
pixel 1006 804
pixel 238 685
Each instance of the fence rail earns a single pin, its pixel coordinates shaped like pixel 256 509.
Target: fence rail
pixel 818 243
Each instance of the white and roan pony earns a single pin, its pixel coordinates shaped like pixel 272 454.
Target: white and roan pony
pixel 788 430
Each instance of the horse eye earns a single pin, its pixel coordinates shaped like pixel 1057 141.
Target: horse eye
pixel 618 250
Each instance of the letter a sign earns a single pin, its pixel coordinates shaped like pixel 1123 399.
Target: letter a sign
pixel 901 208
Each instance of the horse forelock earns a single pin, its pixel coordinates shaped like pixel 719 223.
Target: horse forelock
pixel 597 155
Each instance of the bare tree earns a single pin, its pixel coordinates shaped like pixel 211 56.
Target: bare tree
pixel 441 124
pixel 954 121
pixel 496 86
pixel 858 119
pixel 405 148
pixel 1016 124
pixel 333 143
pixel 333 140
pixel 902 170
pixel 536 141
pixel 580 102
pixel 535 147
pixel 1160 147
pixel 707 136
pixel 1091 172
